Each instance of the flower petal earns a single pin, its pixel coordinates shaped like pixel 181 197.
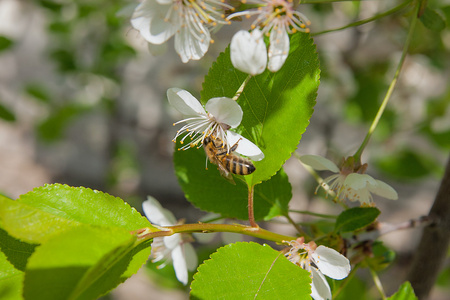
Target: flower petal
pixel 192 45
pixel 190 256
pixel 248 52
pixel 245 147
pixel 225 110
pixel 320 290
pixel 331 263
pixel 172 241
pixel 156 213
pixel 359 181
pixel 179 264
pixel 149 19
pixel 384 190
pixel 278 49
pixel 319 163
pixel 184 102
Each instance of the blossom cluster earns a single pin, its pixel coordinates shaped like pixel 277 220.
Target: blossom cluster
pixel 191 23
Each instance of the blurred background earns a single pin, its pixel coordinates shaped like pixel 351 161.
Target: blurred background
pixel 83 102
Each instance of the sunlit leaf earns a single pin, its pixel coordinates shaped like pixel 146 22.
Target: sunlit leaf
pixel 250 271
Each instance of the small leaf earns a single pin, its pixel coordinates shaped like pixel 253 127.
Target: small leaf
pixel 83 263
pixel 405 292
pixel 209 191
pixel 6 114
pixel 382 257
pixel 277 106
pixel 38 91
pixel 356 218
pixel 53 127
pixel 250 271
pixel 5 43
pixel 433 20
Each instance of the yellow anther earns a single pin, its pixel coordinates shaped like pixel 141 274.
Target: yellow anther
pixel 212 41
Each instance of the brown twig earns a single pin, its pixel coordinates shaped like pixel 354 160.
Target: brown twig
pixel 251 216
pixel 432 250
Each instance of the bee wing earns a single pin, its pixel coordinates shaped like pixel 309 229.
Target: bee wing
pixel 225 174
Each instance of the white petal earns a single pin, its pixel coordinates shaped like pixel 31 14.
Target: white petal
pixel 359 181
pixel 248 52
pixel 149 19
pixel 225 110
pixel 157 214
pixel 319 163
pixel 190 256
pixel 179 264
pixel 384 190
pixel 184 102
pixel 172 241
pixel 190 46
pixel 320 290
pixel 278 49
pixel 331 263
pixel 245 147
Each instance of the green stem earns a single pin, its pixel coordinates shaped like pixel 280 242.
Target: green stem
pixel 388 95
pixel 251 215
pixel 241 88
pixel 146 233
pixel 305 212
pixel 296 225
pixel 361 22
pixel 378 284
pixel 326 1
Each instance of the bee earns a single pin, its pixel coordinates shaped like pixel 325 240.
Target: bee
pixel 227 161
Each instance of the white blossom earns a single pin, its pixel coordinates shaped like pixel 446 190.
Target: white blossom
pixel 189 21
pixel 350 185
pixel 248 52
pixel 277 19
pixel 221 114
pixel 170 248
pixel 319 261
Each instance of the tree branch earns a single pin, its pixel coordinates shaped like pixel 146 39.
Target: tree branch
pixel 432 249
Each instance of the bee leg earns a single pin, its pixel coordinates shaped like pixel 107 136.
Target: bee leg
pixel 234 147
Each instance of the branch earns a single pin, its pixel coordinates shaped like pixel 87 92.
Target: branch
pixel 432 249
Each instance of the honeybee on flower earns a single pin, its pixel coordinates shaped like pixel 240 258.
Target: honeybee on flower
pixel 215 119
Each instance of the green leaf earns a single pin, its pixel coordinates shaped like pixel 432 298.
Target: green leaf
pixel 46 211
pixel 356 218
pixel 277 106
pixel 405 292
pixel 5 43
pixel 10 280
pixel 433 20
pixel 209 191
pixel 83 263
pixel 250 271
pixel 38 91
pixel 6 114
